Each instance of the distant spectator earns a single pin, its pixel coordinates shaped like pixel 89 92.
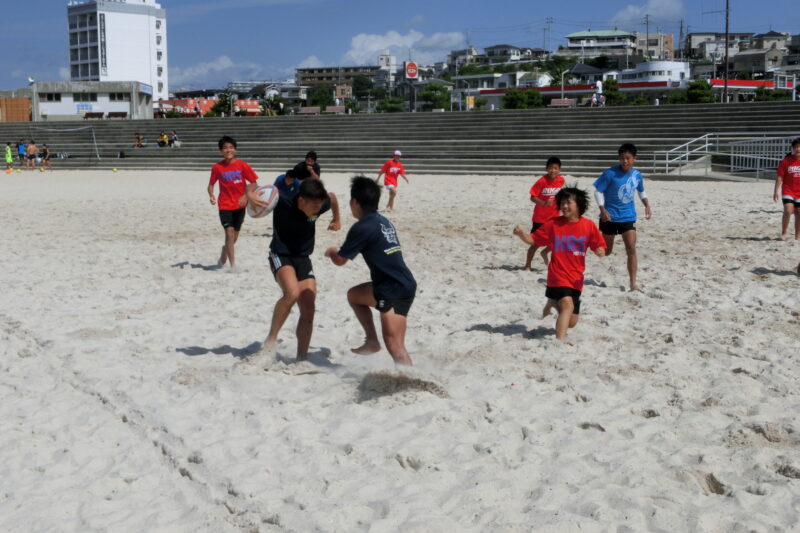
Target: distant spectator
pixel 197 111
pixel 173 139
pixel 21 152
pixel 163 140
pixel 309 167
pixel 31 151
pixel 138 141
pixel 44 154
pixel 9 157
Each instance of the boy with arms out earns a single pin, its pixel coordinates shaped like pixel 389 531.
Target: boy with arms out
pixel 392 168
pixel 788 183
pixel 233 176
pixel 568 237
pixel 614 191
pixel 392 288
pixel 294 224
pixel 543 195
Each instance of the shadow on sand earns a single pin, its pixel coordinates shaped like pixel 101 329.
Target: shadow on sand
pixel 226 349
pixel 761 271
pixel 184 264
pixel 510 330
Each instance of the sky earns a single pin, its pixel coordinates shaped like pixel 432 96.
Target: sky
pixel 212 42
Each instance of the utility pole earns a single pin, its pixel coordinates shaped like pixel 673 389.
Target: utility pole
pixel 680 42
pixel 647 35
pixel 727 37
pixel 547 22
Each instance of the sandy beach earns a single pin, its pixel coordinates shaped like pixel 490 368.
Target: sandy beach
pixel 123 409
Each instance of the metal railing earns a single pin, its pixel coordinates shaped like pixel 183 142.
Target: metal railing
pixel 745 152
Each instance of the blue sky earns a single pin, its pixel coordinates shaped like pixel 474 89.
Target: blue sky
pixel 214 41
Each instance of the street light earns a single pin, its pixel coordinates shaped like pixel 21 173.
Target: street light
pixel 562 83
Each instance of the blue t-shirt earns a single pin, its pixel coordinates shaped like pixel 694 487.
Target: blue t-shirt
pixel 288 190
pixel 618 189
pixel 375 238
pixel 21 149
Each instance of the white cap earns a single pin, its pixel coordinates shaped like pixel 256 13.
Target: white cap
pixel 398 152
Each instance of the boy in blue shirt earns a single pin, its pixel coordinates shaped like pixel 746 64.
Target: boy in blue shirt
pixel 614 191
pixel 392 288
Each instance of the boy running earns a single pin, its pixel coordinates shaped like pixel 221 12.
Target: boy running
pixel 392 288
pixel 614 194
pixel 568 236
pixel 392 168
pixel 543 195
pixel 788 183
pixel 233 176
pixel 294 227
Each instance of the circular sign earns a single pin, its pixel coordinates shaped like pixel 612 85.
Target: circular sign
pixel 411 70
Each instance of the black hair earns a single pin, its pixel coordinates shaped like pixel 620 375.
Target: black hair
pixel 225 139
pixel 796 142
pixel 313 190
pixel 629 148
pixel 580 196
pixel 291 173
pixel 312 154
pixel 553 161
pixel 366 192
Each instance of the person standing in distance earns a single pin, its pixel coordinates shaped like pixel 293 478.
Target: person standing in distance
pixel 614 193
pixel 787 187
pixel 392 169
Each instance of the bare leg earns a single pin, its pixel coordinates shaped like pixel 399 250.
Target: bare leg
pixel 392 194
pixel 566 319
pixel 548 307
pixel 287 280
pixel 797 223
pixel 223 257
pixel 362 300
pixel 609 243
pixel 529 257
pixel 393 327
pixel 546 256
pixel 629 238
pixel 231 236
pixel 788 210
pixel 305 324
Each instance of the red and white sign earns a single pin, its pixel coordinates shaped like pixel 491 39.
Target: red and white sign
pixel 412 72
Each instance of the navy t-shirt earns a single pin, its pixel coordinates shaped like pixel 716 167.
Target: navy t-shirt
pixel 302 170
pixel 292 231
pixel 290 190
pixel 375 238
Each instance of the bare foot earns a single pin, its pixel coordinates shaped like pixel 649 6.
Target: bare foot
pixel 636 288
pixel 222 258
pixel 783 236
pixel 548 307
pixel 526 268
pixel 369 347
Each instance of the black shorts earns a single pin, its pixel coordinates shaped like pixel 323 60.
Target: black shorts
pixel 232 218
pixel 790 200
pixel 401 306
pixel 31 156
pixel 616 228
pixel 535 226
pixel 301 264
pixel 556 293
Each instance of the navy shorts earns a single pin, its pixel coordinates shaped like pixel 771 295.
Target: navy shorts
pixel 401 306
pixel 616 228
pixel 791 200
pixel 301 264
pixel 232 218
pixel 556 293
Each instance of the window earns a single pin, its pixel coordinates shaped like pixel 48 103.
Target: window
pixel 84 54
pixel 158 39
pixel 84 97
pixel 94 70
pixel 73 54
pixel 74 71
pixel 160 86
pixel 159 55
pixel 50 97
pixel 160 71
pixel 119 97
pixel 73 22
pixel 158 24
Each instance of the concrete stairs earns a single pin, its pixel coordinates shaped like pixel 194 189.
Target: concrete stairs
pixel 497 142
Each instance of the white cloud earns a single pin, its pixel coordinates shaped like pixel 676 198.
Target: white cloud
pixel 632 16
pixel 311 62
pixel 215 74
pixel 365 48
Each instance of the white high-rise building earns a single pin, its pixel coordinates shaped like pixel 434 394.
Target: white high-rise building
pixel 119 40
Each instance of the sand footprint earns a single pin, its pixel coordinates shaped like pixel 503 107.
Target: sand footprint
pixel 375 385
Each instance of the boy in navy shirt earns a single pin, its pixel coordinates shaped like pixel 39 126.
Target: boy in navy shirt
pixel 614 194
pixel 294 221
pixel 392 288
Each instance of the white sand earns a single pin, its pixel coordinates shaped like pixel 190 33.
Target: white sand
pixel 121 409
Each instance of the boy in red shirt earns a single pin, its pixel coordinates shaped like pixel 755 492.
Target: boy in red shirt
pixel 392 168
pixel 543 195
pixel 788 183
pixel 568 237
pixel 233 176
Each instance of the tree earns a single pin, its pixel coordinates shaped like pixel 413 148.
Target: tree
pixel 678 97
pixel 435 95
pixel 322 96
pixel 352 106
pixel 480 103
pixel 699 92
pixel 515 99
pixel 390 105
pixel 533 99
pixel 362 85
pixel 612 93
pixel 223 105
pixel 771 95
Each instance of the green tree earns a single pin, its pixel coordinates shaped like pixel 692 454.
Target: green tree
pixel 699 92
pixel 362 85
pixel 533 99
pixel 223 105
pixel 678 97
pixel 352 106
pixel 322 96
pixel 769 95
pixel 435 96
pixel 612 93
pixel 480 103
pixel 639 99
pixel 515 99
pixel 390 105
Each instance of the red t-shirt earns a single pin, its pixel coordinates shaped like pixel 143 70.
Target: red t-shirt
pixel 392 169
pixel 544 189
pixel 789 171
pixel 232 178
pixel 568 242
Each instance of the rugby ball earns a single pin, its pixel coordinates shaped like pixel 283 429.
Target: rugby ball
pixel 268 194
